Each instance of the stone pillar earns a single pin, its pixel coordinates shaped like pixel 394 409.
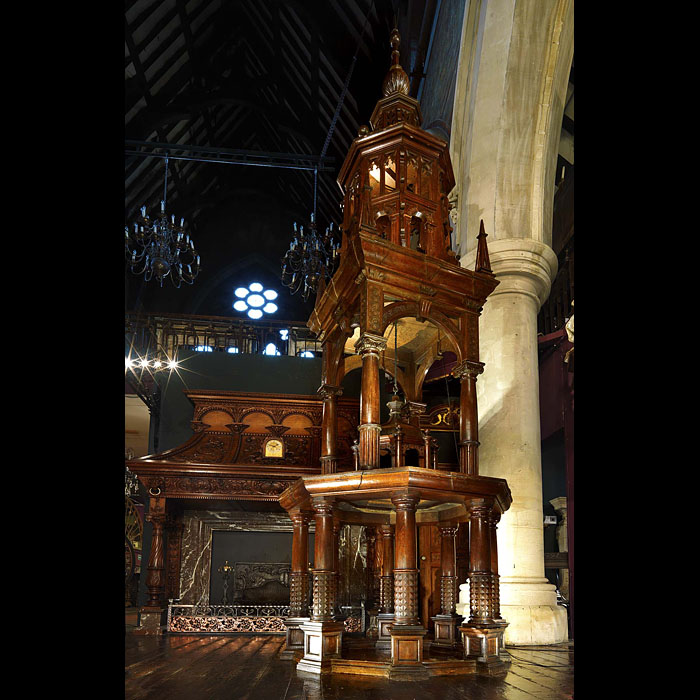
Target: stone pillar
pixel 508 393
pixel 385 618
pixel 562 540
pixel 152 614
pixel 467 373
pixel 369 346
pixel 329 428
pixel 322 634
pixel 407 632
pixel 447 620
pixel 511 88
pixel 298 585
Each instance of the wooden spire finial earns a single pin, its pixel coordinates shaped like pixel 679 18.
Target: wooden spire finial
pixel 483 264
pixel 396 79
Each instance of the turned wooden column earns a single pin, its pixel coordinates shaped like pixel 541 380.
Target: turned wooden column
pixel 494 519
pixel 467 373
pixel 480 564
pixel 299 575
pixel 324 575
pixel 174 528
pixel 329 428
pixel 369 346
pixel 448 562
pixel 406 596
pixel 337 526
pixel 427 449
pixel 386 582
pixel 155 577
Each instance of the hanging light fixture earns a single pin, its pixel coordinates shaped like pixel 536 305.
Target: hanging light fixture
pixel 161 247
pixel 311 256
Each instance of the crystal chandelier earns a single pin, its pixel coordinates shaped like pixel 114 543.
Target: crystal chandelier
pixel 311 257
pixel 160 247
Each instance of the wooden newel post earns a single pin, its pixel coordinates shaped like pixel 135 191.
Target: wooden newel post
pixel 447 620
pixel 405 562
pixel 155 578
pixel 467 373
pixel 483 633
pixel 299 576
pixel 385 618
pixel 369 346
pixel 406 632
pixel 480 579
pixel 329 428
pixel 298 585
pixel 323 635
pixel 324 575
pixel 448 561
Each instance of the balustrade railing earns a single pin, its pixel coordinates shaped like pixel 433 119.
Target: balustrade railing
pixel 163 335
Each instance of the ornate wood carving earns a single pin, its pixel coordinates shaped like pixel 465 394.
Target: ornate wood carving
pixel 226 456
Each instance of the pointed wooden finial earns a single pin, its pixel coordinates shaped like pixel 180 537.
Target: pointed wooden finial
pixel 483 264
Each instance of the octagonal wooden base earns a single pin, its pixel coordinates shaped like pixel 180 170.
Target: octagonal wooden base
pixel 484 645
pixel 384 623
pixel 322 643
pixel 446 636
pixel 294 642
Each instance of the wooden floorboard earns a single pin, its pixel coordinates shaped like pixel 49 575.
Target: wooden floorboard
pixel 214 667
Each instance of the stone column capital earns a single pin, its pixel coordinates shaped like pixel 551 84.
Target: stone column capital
pixel 521 265
pixel 559 504
pixel 369 343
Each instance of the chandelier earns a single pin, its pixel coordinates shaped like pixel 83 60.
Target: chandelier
pixel 311 257
pixel 160 247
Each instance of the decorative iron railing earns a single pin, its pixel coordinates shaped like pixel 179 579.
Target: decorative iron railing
pixel 257 619
pixel 238 619
pixel 165 334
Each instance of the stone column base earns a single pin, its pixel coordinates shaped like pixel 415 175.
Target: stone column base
pixel 322 642
pixel 535 624
pixel 484 645
pixel 407 652
pixel 294 642
pixel 151 621
pixel 384 623
pixel 446 636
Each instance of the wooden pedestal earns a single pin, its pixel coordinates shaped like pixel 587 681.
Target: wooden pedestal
pixel 407 652
pixel 151 621
pixel 484 645
pixel 446 636
pixel 294 642
pixel 322 642
pixel 384 623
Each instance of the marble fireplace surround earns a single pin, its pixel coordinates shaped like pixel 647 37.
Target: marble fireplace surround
pixel 198 529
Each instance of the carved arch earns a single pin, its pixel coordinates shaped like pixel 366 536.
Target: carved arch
pixel 412 309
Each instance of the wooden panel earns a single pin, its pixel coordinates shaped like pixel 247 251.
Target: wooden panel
pixel 430 573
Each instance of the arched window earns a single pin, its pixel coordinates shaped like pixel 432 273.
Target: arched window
pixel 271 349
